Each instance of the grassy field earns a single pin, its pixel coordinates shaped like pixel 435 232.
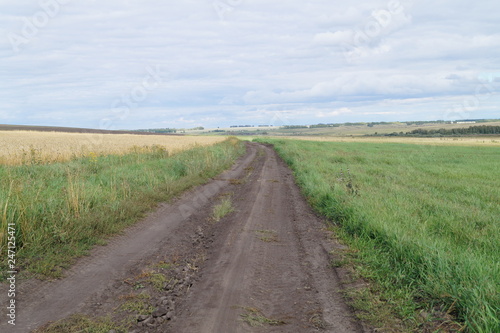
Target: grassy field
pixel 348 131
pixel 422 220
pixel 491 141
pixel 359 130
pixel 26 147
pixel 60 210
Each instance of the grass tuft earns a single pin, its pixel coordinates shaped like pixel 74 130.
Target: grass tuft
pixel 254 318
pixel 158 280
pixel 222 209
pixel 137 304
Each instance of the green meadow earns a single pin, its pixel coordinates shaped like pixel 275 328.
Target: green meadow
pixel 424 221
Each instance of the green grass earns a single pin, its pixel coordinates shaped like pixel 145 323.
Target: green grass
pixel 222 209
pixel 61 210
pixel 158 280
pixel 138 305
pixel 425 220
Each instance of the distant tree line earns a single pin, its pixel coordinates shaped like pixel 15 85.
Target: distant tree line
pixel 324 125
pixel 168 130
pixel 378 123
pixel 320 125
pixel 472 130
pixel 295 126
pixel 158 130
pixel 418 123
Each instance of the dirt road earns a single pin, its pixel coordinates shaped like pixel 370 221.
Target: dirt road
pixel 262 268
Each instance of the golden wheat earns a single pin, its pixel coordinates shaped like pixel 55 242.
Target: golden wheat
pixel 28 147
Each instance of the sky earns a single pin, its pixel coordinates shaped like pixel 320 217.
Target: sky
pixel 135 64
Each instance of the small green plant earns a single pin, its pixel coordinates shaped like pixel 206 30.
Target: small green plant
pixel 158 280
pixel 163 265
pixel 138 286
pixel 222 209
pixel 137 304
pixel 93 162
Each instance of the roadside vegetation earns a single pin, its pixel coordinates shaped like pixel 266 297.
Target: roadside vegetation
pixel 61 210
pixel 81 323
pixel 421 222
pixel 222 209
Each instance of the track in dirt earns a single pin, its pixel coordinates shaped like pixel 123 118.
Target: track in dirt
pixel 267 261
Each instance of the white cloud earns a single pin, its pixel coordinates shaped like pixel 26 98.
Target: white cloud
pixel 333 38
pixel 333 113
pixel 288 57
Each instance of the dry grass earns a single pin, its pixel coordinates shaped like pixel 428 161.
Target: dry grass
pixel 222 209
pixel 255 318
pixel 26 147
pixel 60 210
pixel 452 141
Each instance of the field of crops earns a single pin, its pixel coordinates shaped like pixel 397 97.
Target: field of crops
pixel 423 219
pixel 26 147
pixel 61 209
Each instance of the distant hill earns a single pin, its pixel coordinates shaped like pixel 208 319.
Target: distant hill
pixel 71 130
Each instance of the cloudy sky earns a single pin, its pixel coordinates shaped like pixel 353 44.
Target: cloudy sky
pixel 151 64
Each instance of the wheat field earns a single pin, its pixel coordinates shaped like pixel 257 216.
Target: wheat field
pixel 28 147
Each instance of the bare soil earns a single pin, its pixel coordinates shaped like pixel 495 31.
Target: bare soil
pixel 265 267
